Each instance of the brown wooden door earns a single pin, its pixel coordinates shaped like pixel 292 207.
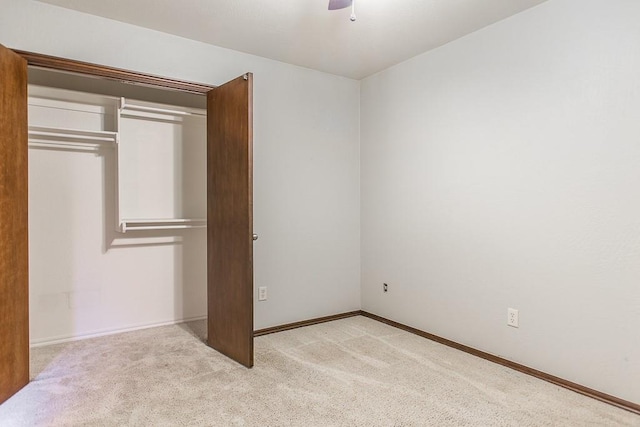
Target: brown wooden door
pixel 230 219
pixel 14 253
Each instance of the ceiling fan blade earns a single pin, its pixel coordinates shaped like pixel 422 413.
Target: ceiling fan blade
pixel 339 4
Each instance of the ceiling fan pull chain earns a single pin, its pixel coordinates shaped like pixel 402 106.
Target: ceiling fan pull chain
pixel 343 4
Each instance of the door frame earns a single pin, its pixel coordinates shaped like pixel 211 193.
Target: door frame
pixel 102 71
pixel 54 63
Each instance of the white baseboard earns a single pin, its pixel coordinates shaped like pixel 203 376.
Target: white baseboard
pixel 104 332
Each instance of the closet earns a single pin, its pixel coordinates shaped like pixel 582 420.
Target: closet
pixel 117 207
pixel 156 151
pixel 170 164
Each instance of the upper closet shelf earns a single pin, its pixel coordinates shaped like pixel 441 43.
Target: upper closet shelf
pixel 70 138
pixel 126 106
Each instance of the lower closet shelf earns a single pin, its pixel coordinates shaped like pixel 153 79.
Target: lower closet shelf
pixel 161 224
pixel 70 138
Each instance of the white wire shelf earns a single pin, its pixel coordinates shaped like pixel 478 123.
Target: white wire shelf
pixel 161 224
pixel 44 137
pixel 127 106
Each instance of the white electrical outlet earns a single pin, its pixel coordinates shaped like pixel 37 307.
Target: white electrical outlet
pixel 512 317
pixel 262 293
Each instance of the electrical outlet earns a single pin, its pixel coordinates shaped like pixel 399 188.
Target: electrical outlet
pixel 385 287
pixel 262 293
pixel 512 317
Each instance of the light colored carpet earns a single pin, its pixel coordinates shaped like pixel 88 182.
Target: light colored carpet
pixel 351 372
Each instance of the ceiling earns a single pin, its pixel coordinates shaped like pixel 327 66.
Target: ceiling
pixel 305 33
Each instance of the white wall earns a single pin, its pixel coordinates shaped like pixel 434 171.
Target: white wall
pixel 306 185
pixel 502 170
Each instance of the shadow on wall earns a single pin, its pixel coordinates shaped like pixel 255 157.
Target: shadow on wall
pixel 186 247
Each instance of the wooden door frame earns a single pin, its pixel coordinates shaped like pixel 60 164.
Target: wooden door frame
pixel 102 71
pixel 54 63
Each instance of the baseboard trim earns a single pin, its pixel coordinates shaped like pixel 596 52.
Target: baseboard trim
pixel 595 394
pixel 105 332
pixel 308 322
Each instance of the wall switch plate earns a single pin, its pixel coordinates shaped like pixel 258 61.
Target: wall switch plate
pixel 512 317
pixel 262 293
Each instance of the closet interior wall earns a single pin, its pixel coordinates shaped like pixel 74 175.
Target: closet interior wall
pixel 117 201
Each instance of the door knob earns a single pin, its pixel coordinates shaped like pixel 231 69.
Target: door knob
pixel 255 236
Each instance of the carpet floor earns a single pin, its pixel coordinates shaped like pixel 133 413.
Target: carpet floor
pixel 350 372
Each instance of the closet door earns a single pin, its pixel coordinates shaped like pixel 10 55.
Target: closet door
pixel 230 219
pixel 14 253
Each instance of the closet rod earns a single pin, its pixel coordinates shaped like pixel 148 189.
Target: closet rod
pixel 162 227
pixel 161 224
